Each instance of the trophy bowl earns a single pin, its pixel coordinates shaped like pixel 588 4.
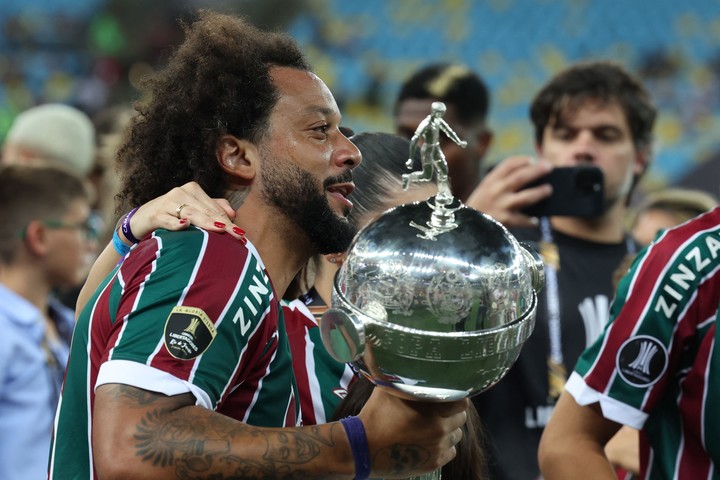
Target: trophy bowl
pixel 433 301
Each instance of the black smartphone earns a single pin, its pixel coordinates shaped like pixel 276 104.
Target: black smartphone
pixel 577 192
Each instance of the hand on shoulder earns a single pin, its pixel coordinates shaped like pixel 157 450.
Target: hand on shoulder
pixel 183 206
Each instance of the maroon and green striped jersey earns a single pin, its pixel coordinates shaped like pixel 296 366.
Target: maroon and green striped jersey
pixel 322 381
pixel 657 365
pixel 188 311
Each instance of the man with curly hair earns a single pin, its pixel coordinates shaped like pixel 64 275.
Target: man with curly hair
pixel 180 366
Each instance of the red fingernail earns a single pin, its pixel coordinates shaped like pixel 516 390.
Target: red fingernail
pixel 238 230
pixel 244 240
pixel 219 225
pixel 183 221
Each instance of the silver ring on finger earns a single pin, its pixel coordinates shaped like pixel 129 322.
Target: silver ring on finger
pixel 179 209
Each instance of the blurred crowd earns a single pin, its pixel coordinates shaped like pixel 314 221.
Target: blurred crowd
pixel 92 53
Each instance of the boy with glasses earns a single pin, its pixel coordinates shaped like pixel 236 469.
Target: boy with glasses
pixel 44 245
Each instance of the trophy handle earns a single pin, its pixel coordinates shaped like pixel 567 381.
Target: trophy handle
pixel 536 264
pixel 343 334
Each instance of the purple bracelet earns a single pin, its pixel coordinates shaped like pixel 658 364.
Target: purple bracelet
pixel 358 445
pixel 126 226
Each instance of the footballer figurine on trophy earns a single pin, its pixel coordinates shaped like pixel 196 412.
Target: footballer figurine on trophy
pixel 431 155
pixel 443 204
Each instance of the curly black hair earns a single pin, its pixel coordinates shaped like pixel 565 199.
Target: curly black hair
pixel 217 82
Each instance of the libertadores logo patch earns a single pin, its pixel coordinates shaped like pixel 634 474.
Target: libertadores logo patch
pixel 188 332
pixel 642 360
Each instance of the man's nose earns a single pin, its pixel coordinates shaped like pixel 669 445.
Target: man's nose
pixel 584 146
pixel 346 153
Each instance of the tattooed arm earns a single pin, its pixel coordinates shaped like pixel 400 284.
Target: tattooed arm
pixel 139 434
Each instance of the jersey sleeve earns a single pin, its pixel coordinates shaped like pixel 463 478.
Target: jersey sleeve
pixel 190 316
pixel 655 315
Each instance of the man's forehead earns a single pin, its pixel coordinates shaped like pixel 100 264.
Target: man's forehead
pixel 302 91
pixel 596 110
pixel 569 107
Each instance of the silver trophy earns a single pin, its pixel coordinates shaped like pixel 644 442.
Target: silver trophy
pixel 434 300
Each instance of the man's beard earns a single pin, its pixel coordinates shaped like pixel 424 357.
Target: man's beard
pixel 294 191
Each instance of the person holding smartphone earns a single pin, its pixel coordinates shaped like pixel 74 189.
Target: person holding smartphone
pixel 593 114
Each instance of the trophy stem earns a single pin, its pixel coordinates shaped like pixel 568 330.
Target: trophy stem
pixel 443 219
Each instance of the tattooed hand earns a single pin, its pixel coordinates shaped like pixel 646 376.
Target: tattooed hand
pixel 410 437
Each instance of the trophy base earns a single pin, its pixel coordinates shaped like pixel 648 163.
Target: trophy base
pixel 424 394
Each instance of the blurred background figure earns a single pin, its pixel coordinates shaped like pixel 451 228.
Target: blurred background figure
pixel 93 53
pixel 500 192
pixel 467 100
pixel 66 137
pixel 54 134
pixel 62 136
pixel 590 114
pixel 44 232
pixel 667 208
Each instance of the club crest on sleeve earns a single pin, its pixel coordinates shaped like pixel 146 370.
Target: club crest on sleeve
pixel 641 360
pixel 188 332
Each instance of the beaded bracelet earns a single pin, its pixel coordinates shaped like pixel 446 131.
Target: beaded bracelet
pixel 126 226
pixel 358 445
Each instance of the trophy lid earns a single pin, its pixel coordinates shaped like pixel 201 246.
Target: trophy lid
pixel 433 313
pixel 466 279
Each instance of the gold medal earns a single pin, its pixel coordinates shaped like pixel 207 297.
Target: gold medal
pixel 550 254
pixel 557 375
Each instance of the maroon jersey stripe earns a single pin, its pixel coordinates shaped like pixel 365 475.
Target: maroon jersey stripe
pixel 252 361
pixel 694 461
pixel 296 328
pixel 138 270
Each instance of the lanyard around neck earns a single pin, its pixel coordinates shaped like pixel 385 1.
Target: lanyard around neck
pixel 551 257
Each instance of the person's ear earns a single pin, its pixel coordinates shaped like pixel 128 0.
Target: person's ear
pixel 35 238
pixel 336 258
pixel 239 159
pixel 642 161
